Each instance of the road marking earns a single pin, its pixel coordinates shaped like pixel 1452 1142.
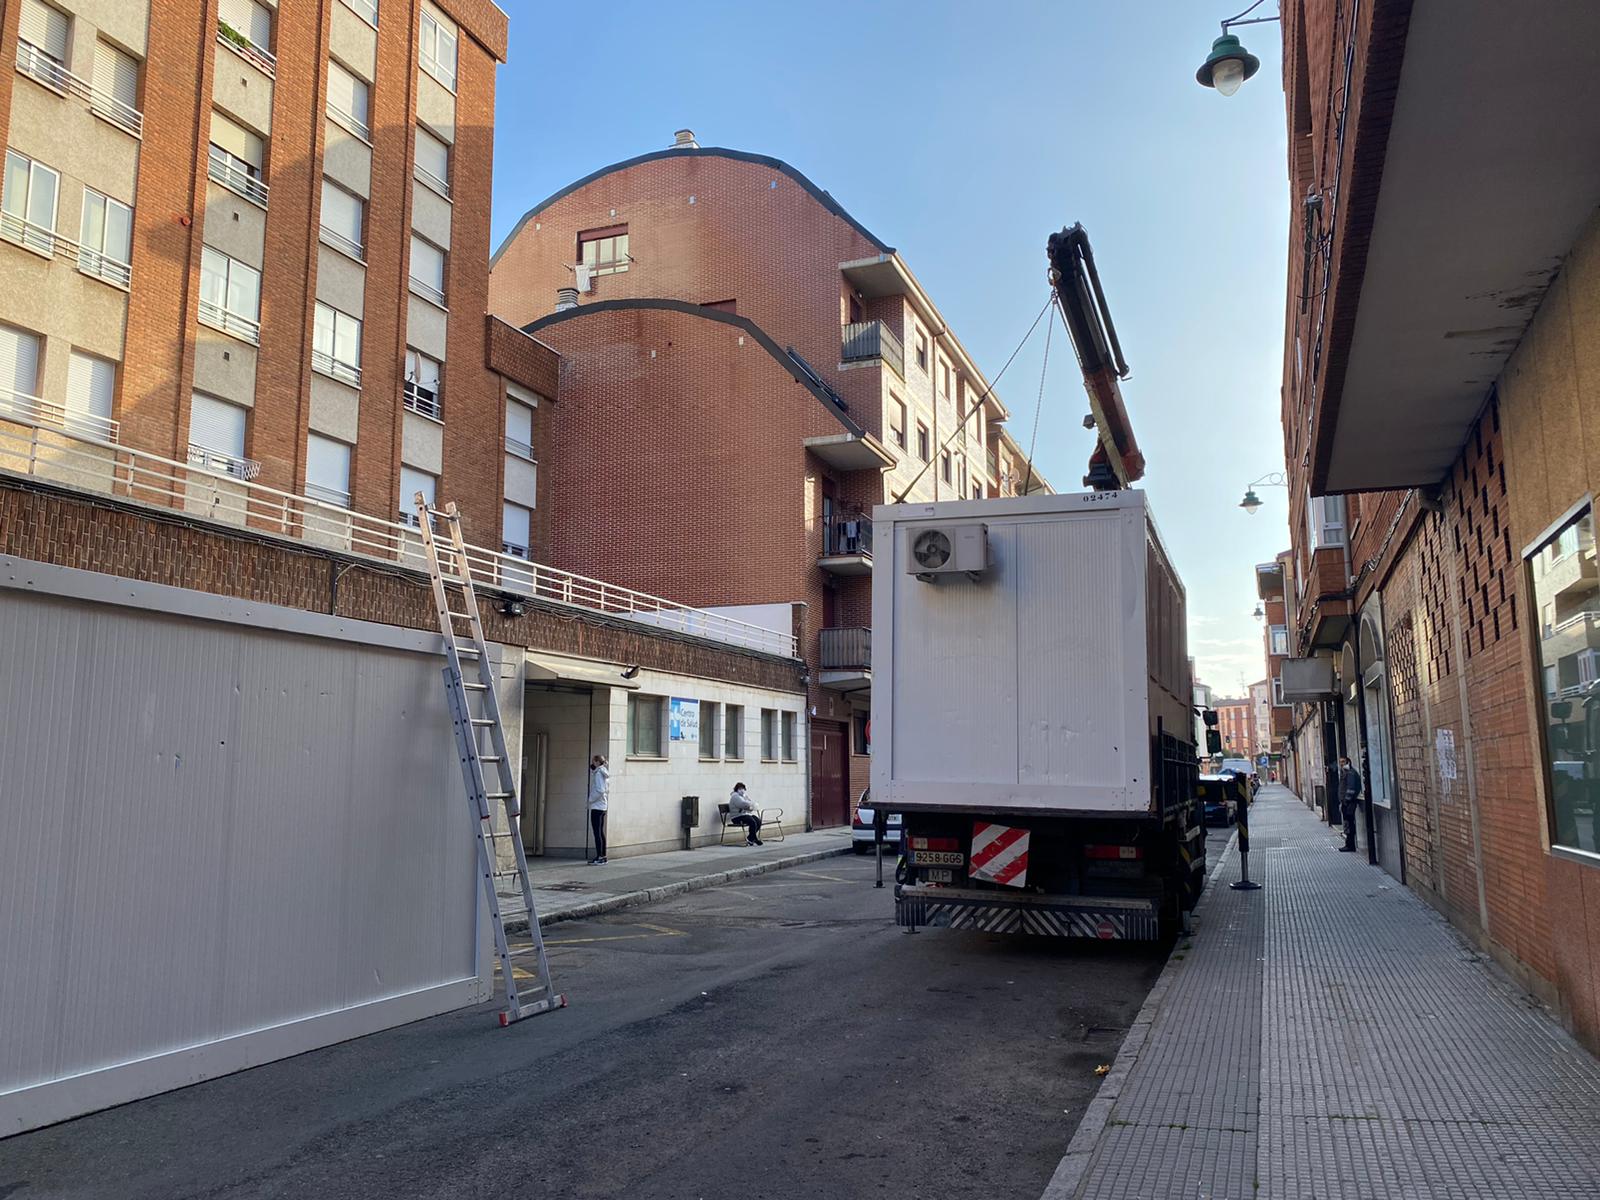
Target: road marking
pixel 819 875
pixel 654 931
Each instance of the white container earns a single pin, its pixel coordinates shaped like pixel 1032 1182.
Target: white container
pixel 1036 685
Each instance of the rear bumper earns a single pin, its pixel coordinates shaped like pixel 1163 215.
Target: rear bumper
pixel 1106 918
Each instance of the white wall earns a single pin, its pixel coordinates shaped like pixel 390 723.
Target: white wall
pixel 229 832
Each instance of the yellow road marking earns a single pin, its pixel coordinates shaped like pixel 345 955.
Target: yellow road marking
pixel 819 875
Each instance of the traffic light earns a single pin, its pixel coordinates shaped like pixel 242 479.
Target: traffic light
pixel 1213 740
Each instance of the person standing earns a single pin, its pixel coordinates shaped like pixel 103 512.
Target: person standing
pixel 599 800
pixel 1349 801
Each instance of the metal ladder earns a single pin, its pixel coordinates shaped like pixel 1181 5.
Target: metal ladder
pixel 540 995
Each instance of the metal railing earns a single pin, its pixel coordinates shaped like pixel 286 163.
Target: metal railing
pixel 349 121
pixel 29 448
pixel 432 180
pixel 520 448
pixel 332 495
pixel 367 10
pixel 427 291
pixel 219 463
pixel 33 409
pixel 850 536
pixel 40 67
pixel 224 169
pixel 51 244
pixel 325 364
pixel 867 340
pixel 846 649
pixel 241 45
pixel 232 323
pixel 421 400
pixel 342 244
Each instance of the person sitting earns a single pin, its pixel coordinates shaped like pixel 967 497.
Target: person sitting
pixel 742 811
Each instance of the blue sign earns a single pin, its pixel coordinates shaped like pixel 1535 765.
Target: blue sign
pixel 683 720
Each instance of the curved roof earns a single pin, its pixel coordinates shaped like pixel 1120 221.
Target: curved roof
pixel 776 164
pixel 745 324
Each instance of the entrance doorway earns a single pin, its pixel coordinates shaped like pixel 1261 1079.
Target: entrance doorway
pixel 830 774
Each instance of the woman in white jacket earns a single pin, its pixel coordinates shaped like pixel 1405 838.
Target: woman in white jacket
pixel 742 811
pixel 599 799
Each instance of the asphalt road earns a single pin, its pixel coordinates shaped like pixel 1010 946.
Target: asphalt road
pixel 774 1038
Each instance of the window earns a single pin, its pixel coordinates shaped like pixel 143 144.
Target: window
pixel 413 481
pixel 944 381
pixel 91 382
pixel 922 350
pixel 1277 693
pixel 1566 592
pixel 439 49
pixel 922 442
pixel 427 270
pixel 367 10
pixel 115 94
pixel 19 372
pixel 422 385
pixel 961 476
pixel 860 728
pixel 944 466
pixel 230 295
pixel 897 421
pixel 237 159
pixel 343 220
pixel 327 470
pixel 708 729
pixel 42 50
pixel 1280 639
pixel 787 724
pixel 106 238
pixel 644 726
pixel 604 251
pixel 977 491
pixel 769 733
pixel 216 437
pixel 347 101
pixel 246 27
pixel 733 732
pixel 433 162
pixel 515 522
pixel 28 203
pixel 1325 521
pixel 336 344
pixel 519 429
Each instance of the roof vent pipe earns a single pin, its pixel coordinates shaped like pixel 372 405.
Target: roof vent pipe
pixel 683 139
pixel 566 298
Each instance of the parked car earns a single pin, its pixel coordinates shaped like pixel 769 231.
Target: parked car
pixel 861 827
pixel 1219 797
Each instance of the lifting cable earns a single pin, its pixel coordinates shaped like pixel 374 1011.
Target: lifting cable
pixel 1038 408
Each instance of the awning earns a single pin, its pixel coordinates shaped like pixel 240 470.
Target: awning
pixel 577 670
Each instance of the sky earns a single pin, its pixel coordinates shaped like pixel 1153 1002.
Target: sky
pixel 963 133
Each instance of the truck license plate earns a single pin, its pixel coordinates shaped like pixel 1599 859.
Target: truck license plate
pixel 941 858
pixel 939 875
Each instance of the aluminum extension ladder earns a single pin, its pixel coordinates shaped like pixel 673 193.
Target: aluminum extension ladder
pixel 539 995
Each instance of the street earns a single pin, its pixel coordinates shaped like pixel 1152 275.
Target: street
pixel 774 1038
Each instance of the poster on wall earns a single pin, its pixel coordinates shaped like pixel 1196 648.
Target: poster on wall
pixel 683 720
pixel 1444 746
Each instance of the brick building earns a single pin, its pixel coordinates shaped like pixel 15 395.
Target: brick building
pixel 746 371
pixel 1441 368
pixel 251 241
pixel 1236 721
pixel 1273 586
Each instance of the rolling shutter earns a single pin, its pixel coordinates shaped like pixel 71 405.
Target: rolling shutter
pixel 249 18
pixel 514 526
pixel 433 156
pixel 116 74
pixel 217 425
pixel 239 142
pixel 90 383
pixel 328 464
pixel 19 361
pixel 45 28
pixel 413 481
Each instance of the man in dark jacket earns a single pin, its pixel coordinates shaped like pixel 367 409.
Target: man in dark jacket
pixel 1349 801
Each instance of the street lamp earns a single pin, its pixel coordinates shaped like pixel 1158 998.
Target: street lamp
pixel 1259 613
pixel 1251 501
pixel 1229 64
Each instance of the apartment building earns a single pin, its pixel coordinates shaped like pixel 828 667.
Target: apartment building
pixel 1236 722
pixel 1272 588
pixel 247 239
pixel 1439 415
pixel 746 372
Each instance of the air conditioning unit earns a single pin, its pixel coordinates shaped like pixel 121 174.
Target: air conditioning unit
pixel 933 550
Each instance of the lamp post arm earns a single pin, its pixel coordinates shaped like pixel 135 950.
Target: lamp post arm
pixel 1240 18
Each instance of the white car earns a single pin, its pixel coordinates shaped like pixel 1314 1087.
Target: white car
pixel 861 834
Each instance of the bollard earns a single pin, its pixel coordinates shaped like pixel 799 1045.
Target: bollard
pixel 1243 883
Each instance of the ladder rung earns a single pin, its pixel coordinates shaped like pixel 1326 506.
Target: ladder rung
pixel 476 687
pixel 472 650
pixel 490 758
pixel 498 795
pixel 461 616
pixel 482 722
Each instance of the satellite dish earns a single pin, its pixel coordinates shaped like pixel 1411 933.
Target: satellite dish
pixel 931 549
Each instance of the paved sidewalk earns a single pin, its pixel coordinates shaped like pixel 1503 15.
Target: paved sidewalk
pixel 566 889
pixel 1332 1037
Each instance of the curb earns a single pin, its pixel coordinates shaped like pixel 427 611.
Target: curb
pixel 593 908
pixel 1068 1179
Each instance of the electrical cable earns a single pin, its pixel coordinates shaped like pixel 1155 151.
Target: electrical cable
pixel 1038 408
pixel 977 404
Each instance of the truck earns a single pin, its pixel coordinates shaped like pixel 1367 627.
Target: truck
pixel 1032 716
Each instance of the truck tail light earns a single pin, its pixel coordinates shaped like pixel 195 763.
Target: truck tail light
pixel 1116 852
pixel 952 845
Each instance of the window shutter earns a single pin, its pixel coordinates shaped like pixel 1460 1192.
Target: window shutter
pixel 45 28
pixel 237 141
pixel 328 464
pixel 249 18
pixel 427 263
pixel 341 212
pixel 19 361
pixel 433 156
pixel 519 422
pixel 116 74
pixel 413 481
pixel 90 382
pixel 217 425
pixel 514 525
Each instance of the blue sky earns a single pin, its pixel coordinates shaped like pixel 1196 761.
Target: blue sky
pixel 962 134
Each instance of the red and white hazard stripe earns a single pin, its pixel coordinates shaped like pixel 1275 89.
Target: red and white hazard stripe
pixel 999 854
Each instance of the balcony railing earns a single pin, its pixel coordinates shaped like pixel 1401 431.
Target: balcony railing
pixel 342 244
pixel 427 291
pixel 423 401
pixel 331 495
pixel 51 244
pixel 518 447
pixel 40 67
pixel 846 649
pixel 15 405
pixel 344 372
pixel 350 122
pixel 231 323
pixel 853 536
pixel 367 10
pixel 234 174
pixel 432 180
pixel 241 45
pixel 219 463
pixel 867 340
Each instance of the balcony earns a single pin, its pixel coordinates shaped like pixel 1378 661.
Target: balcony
pixel 1269 580
pixel 239 42
pixel 37 411
pixel 41 68
pixel 846 659
pixel 867 341
pixel 222 464
pixel 847 547
pixel 236 175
